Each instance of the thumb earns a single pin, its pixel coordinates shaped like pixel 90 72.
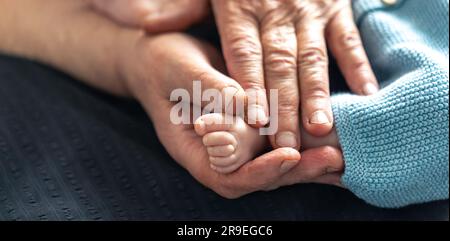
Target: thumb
pixel 232 96
pixel 315 164
pixel 259 174
pixel 202 78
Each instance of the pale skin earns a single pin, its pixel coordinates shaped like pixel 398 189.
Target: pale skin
pixel 231 145
pixel 70 36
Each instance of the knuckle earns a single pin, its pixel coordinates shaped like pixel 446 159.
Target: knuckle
pixel 312 56
pixel 317 94
pixel 253 84
pixel 288 101
pixel 243 53
pixel 243 48
pixel 281 62
pixel 350 40
pixel 288 109
pixel 360 65
pixel 317 90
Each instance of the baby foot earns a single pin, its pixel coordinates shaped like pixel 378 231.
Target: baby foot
pixel 229 146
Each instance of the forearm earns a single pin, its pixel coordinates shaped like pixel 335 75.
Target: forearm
pixel 69 36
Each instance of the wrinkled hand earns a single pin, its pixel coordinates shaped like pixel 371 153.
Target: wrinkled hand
pixel 154 66
pixel 154 15
pixel 282 44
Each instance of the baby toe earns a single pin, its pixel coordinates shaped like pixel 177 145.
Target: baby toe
pixel 221 151
pixel 211 123
pixel 223 162
pixel 219 138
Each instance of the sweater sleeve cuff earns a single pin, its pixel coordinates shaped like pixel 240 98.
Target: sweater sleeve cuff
pixel 395 145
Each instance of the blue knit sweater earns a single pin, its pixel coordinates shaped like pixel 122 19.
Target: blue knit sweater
pixel 395 143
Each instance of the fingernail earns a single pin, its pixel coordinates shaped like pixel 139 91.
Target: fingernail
pixel 287 165
pixel 286 139
pixel 256 114
pixel 370 89
pixel 319 117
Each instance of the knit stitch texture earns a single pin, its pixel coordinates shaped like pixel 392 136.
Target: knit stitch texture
pixel 395 143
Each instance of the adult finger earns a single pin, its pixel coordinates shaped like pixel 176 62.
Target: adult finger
pixel 317 165
pixel 243 54
pixel 280 68
pixel 315 101
pixel 200 65
pixel 346 45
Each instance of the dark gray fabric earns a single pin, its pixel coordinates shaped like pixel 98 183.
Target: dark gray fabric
pixel 68 152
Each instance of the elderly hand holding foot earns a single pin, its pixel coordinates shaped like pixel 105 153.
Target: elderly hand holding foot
pixel 267 45
pixel 294 62
pixel 279 45
pixel 129 62
pixel 283 45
